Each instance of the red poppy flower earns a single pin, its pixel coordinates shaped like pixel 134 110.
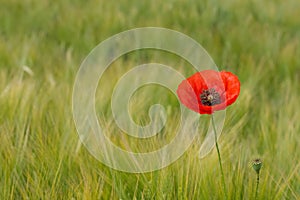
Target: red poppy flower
pixel 209 90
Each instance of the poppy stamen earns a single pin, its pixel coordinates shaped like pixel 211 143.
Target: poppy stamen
pixel 210 97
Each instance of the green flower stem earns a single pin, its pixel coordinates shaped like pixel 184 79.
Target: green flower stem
pixel 257 183
pixel 219 156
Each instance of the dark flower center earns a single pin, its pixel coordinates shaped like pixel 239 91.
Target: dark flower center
pixel 210 97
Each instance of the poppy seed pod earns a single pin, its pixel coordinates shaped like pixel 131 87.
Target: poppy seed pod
pixel 257 163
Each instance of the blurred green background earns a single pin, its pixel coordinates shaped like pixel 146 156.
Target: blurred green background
pixel 42 44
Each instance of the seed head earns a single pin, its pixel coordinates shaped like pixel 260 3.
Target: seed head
pixel 257 163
